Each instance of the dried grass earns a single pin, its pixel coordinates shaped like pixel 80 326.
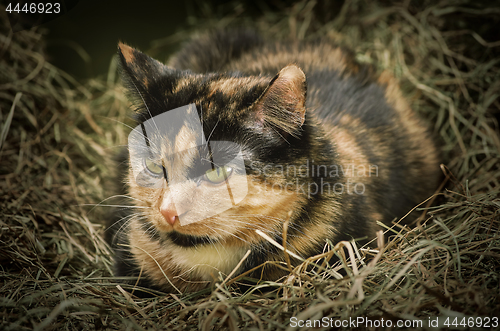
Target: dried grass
pixel 57 135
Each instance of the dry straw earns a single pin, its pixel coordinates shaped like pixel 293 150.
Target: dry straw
pixel 56 136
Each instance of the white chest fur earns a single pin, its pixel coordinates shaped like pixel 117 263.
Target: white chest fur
pixel 166 258
pixel 208 260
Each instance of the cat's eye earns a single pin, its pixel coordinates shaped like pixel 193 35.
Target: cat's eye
pixel 153 168
pixel 218 175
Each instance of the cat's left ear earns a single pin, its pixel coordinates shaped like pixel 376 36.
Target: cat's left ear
pixel 282 104
pixel 138 69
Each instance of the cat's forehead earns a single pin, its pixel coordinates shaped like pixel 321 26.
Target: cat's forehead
pixel 217 96
pixel 234 86
pixel 216 93
pixel 174 132
pixel 194 109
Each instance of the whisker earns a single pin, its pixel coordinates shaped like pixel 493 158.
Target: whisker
pixel 210 135
pixel 126 220
pixel 121 206
pixel 123 196
pixel 147 108
pixel 115 120
pixel 100 204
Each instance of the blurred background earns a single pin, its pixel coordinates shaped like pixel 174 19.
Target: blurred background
pixel 83 41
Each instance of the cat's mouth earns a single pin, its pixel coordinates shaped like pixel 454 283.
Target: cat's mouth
pixel 178 219
pixel 188 240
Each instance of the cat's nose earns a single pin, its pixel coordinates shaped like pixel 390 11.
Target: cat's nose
pixel 169 213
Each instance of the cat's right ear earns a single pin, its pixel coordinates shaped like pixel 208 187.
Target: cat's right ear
pixel 282 105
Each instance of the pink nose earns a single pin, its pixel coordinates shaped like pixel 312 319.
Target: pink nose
pixel 169 213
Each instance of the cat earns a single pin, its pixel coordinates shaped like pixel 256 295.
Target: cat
pixel 238 134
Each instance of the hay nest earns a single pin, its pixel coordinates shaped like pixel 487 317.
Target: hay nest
pixel 56 137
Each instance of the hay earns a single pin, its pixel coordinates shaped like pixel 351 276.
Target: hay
pixel 57 135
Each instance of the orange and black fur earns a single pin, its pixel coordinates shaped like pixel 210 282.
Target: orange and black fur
pixel 326 144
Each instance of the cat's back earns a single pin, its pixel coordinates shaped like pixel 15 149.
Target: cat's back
pixel 335 81
pixel 247 52
pixel 363 113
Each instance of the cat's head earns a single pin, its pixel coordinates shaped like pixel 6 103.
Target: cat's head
pixel 201 144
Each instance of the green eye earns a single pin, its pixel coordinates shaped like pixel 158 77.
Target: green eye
pixel 218 175
pixel 153 168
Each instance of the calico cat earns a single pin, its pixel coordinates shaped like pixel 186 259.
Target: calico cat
pixel 237 134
